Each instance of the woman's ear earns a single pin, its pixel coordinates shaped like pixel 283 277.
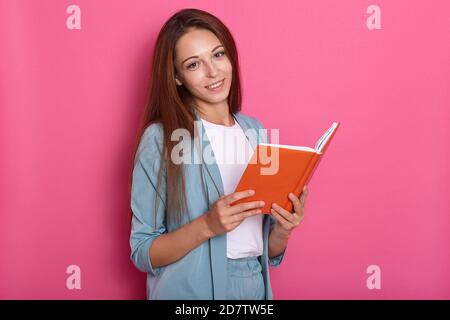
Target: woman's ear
pixel 177 80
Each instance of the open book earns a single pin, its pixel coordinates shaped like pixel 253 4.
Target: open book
pixel 274 170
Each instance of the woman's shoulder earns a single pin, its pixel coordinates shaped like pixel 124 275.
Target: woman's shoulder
pixel 152 139
pixel 153 131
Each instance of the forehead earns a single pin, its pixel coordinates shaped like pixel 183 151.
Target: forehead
pixel 195 42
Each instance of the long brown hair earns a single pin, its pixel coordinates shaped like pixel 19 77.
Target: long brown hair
pixel 171 105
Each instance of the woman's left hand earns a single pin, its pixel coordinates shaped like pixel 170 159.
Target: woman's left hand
pixel 286 221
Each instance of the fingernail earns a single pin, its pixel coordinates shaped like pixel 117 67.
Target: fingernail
pixel 258 211
pixel 274 205
pixel 261 203
pixel 251 192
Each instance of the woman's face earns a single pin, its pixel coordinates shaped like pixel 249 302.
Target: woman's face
pixel 201 60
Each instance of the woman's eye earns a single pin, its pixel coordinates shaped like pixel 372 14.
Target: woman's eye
pixel 189 66
pixel 221 53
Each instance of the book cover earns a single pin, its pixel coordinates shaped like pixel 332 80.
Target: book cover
pixel 275 170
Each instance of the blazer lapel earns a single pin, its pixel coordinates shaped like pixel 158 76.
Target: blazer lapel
pixel 214 185
pixel 212 167
pixel 252 136
pixel 218 244
pixel 251 133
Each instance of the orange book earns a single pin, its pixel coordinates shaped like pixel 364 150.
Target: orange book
pixel 275 170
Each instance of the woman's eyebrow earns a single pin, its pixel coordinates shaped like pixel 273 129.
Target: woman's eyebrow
pixel 197 56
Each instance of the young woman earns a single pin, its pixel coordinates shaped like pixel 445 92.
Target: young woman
pixel 185 234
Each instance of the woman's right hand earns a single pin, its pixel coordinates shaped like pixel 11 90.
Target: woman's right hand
pixel 223 217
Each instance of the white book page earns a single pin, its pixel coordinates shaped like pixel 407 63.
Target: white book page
pixel 289 147
pixel 322 142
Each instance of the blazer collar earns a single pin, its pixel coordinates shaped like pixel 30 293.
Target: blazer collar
pixel 252 136
pixel 250 132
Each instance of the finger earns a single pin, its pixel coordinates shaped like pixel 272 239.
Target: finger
pixel 235 224
pixel 298 206
pixel 243 215
pixel 302 200
pixel 283 212
pixel 246 206
pixel 305 192
pixel 237 196
pixel 283 222
pixel 298 218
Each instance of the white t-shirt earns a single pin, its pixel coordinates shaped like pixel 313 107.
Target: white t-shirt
pixel 232 152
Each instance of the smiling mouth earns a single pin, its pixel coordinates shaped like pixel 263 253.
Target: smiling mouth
pixel 215 84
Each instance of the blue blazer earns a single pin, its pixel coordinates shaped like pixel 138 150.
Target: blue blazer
pixel 202 272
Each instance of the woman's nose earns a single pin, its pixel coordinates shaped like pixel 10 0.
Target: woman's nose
pixel 211 70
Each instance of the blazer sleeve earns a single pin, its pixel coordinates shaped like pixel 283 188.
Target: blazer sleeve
pixel 275 261
pixel 148 220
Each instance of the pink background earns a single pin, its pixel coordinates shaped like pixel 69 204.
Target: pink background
pixel 71 99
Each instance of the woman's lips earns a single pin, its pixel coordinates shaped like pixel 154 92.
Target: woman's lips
pixel 215 89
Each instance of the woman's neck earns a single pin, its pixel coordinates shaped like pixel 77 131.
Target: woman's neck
pixel 219 114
